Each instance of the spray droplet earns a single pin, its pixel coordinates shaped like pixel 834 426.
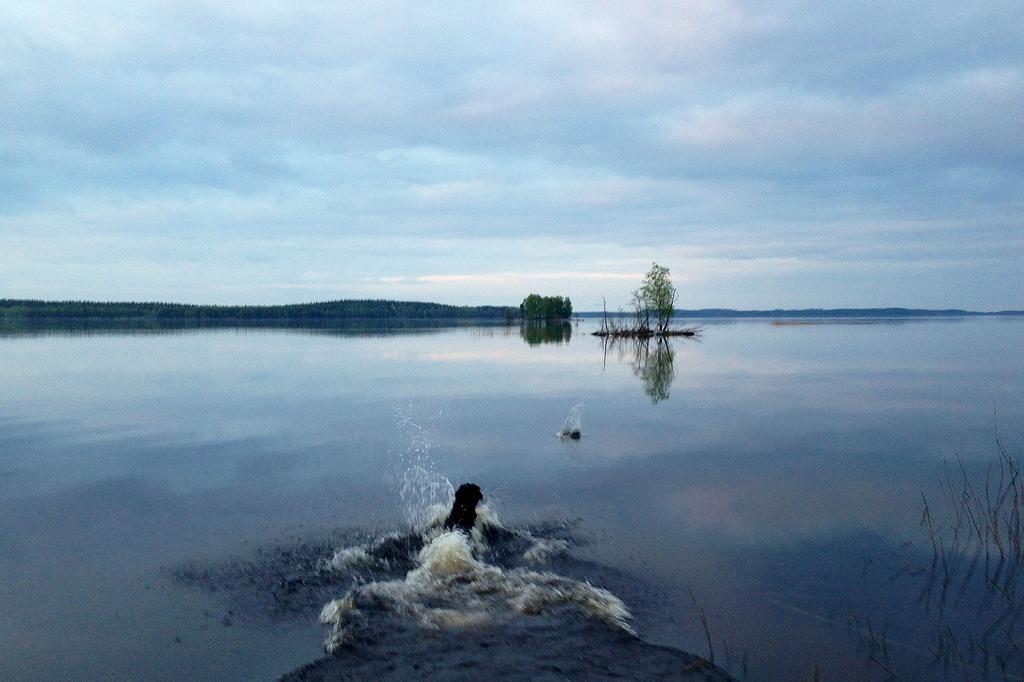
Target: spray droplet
pixel 572 427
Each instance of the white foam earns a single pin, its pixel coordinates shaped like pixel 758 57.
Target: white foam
pixel 448 554
pixel 437 514
pixel 453 618
pixel 364 556
pixel 452 588
pixel 543 549
pixel 332 611
pixel 348 557
pixel 485 516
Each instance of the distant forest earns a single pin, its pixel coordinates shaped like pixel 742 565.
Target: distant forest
pixel 821 313
pixel 534 307
pixel 13 310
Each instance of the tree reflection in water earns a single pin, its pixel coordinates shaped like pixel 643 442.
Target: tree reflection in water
pixel 536 332
pixel 655 369
pixel 651 360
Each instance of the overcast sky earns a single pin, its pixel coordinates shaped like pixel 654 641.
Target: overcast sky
pixel 786 154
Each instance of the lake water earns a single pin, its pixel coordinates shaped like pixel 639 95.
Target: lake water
pixel 774 470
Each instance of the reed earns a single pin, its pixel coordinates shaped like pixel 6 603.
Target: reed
pixel 703 618
pixel 976 565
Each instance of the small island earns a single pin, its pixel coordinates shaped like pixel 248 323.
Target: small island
pixel 656 297
pixel 537 307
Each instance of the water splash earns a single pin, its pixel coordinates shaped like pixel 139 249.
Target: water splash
pixel 544 549
pixel 421 487
pixel 572 427
pixel 448 584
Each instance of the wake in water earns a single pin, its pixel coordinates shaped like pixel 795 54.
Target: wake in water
pixel 459 595
pixel 510 602
pixel 493 601
pixel 449 582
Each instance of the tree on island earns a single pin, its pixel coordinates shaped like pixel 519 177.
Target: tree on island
pixel 537 307
pixel 658 294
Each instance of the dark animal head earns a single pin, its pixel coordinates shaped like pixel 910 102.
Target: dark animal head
pixel 463 514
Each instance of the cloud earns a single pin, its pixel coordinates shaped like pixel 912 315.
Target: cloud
pixel 452 191
pixel 969 119
pixel 522 277
pixel 794 153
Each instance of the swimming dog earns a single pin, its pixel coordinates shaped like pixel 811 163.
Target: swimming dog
pixel 463 514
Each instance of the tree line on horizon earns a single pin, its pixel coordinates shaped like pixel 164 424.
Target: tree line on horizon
pixel 377 309
pixel 540 308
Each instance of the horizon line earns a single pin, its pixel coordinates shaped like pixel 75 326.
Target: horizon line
pixel 691 311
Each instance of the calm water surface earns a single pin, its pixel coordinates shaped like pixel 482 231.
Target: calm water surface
pixel 776 470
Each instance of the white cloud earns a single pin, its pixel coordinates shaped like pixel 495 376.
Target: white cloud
pixel 792 154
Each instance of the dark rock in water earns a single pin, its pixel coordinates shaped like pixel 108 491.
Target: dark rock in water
pixel 463 514
pixel 558 647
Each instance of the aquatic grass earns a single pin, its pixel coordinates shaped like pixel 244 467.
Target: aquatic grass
pixel 703 618
pixel 727 649
pixel 970 591
pixel 977 559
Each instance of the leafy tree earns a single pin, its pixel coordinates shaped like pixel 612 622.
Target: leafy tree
pixel 657 294
pixel 641 311
pixel 537 307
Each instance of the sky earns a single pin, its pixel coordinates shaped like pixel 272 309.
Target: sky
pixel 785 154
